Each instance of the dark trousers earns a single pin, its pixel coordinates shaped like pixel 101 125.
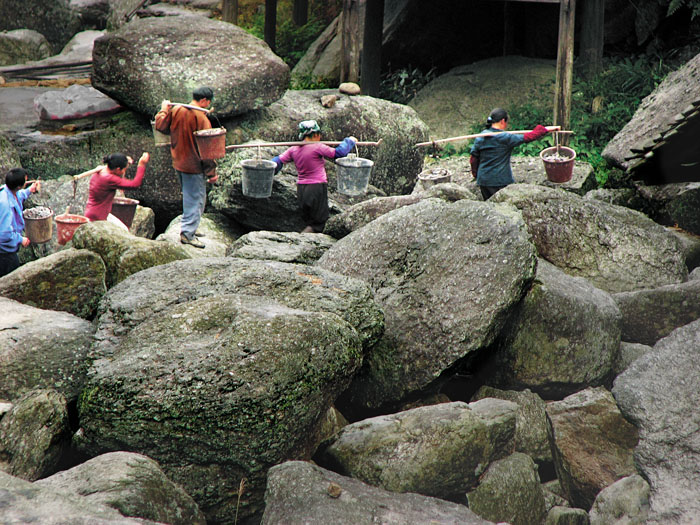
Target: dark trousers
pixel 313 201
pixel 8 262
pixel 487 191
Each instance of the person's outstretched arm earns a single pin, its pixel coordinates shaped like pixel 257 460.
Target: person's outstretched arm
pixel 345 147
pixel 537 133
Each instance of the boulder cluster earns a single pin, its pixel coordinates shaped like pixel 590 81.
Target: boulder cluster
pixel 429 358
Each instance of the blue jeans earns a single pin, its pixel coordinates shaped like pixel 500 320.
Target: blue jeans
pixel 194 197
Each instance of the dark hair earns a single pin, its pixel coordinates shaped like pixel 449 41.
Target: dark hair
pixel 496 115
pixel 116 160
pixel 15 178
pixel 203 92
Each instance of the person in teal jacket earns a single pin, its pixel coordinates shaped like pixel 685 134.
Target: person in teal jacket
pixel 490 156
pixel 12 198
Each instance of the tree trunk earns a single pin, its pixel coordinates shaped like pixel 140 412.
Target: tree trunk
pixel 300 13
pixel 229 11
pixel 350 31
pixel 565 67
pixel 372 47
pixel 592 33
pixel 270 22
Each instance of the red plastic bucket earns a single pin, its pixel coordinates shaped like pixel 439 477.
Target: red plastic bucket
pixel 211 143
pixel 558 163
pixel 124 209
pixel 66 225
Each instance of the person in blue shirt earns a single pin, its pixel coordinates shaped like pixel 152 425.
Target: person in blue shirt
pixel 490 156
pixel 12 198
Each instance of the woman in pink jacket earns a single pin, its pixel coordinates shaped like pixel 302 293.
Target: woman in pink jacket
pixel 312 182
pixel 105 183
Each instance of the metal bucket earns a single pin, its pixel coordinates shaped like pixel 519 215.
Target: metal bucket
pixel 353 175
pixel 38 224
pixel 124 209
pixel 66 225
pixel 558 163
pixel 161 139
pixel 256 179
pixel 211 143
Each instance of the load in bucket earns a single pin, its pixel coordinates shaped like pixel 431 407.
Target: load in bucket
pixel 490 153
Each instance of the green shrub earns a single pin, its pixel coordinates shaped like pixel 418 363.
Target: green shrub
pixel 309 81
pixel 401 86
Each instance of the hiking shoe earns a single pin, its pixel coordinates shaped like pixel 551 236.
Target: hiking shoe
pixel 192 242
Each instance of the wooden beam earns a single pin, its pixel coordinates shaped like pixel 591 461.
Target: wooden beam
pixel 351 30
pixel 565 66
pixel 531 1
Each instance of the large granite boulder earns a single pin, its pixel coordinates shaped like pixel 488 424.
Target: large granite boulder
pixel 656 112
pixel 303 248
pixel 54 19
pixel 659 394
pixel 34 435
pixel 649 315
pixel 564 336
pixel 74 102
pixel 509 491
pixel 300 493
pixel 130 483
pixel 69 281
pixel 217 389
pixel 25 502
pixel 58 340
pixel 446 275
pixel 22 45
pixel 139 65
pixel 674 204
pixel 124 254
pixel 297 286
pixel 396 161
pixel 440 450
pixel 617 249
pixel 592 444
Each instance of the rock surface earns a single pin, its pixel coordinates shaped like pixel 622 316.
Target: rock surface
pixel 58 340
pixel 617 249
pixel 300 493
pixel 446 276
pixel 657 395
pixel 302 248
pixel 139 66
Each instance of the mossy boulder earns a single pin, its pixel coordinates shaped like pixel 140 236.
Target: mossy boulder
pixel 616 248
pixel 56 20
pixel 58 341
pixel 217 389
pixel 69 281
pixel 9 158
pixel 123 253
pixel 131 483
pixel 447 276
pixel 438 450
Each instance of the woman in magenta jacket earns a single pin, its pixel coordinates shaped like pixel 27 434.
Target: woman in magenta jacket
pixel 105 183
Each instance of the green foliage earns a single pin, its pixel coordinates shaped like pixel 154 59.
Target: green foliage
pixel 676 5
pixel 309 81
pixel 291 41
pixel 401 86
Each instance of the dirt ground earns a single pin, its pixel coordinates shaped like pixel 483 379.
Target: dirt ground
pixel 451 104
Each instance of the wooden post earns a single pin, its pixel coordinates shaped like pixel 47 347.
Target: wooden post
pixel 371 70
pixel 592 37
pixel 300 12
pixel 270 23
pixel 565 66
pixel 350 31
pixel 229 11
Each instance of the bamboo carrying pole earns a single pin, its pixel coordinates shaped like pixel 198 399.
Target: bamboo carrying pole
pixel 467 137
pixel 299 143
pixel 190 106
